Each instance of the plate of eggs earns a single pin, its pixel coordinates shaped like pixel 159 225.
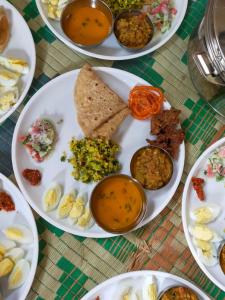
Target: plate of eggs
pixel 18 243
pixel 203 212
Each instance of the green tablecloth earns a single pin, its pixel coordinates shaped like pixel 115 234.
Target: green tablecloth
pixel 68 265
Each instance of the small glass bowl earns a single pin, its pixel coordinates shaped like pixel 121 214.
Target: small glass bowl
pixel 99 4
pixel 133 12
pixel 141 214
pixel 134 159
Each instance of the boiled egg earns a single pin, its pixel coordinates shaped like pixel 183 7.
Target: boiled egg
pixel 6 266
pixel 8 99
pixel 129 295
pixel 6 245
pixel 202 232
pixel 66 204
pixel 208 256
pixel 78 208
pixel 15 254
pixel 15 64
pixel 85 219
pixel 52 197
pixel 149 291
pixel 8 78
pixel 19 274
pixel 19 233
pixel 205 214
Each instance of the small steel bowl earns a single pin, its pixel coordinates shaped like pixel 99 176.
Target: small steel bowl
pixel 99 4
pixel 140 217
pixel 174 286
pixel 134 158
pixel 125 14
pixel 222 245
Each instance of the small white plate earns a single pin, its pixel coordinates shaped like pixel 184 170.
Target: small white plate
pixel 55 102
pixel 112 286
pixel 21 45
pixel 215 193
pixel 110 49
pixel 22 215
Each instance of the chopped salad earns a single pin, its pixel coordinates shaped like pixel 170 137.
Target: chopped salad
pixel 216 164
pixel 40 139
pixel 162 13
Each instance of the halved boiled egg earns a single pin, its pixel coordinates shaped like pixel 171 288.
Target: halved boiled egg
pixel 204 233
pixel 8 98
pixel 6 266
pixel 85 219
pixel 52 197
pixel 207 253
pixel 129 295
pixel 205 214
pixel 66 204
pixel 15 254
pixel 149 291
pixel 19 274
pixel 6 245
pixel 19 233
pixel 15 64
pixel 78 208
pixel 8 78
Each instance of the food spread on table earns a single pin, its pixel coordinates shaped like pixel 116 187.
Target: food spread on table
pixel 101 112
pixel 14 240
pixel 90 25
pixel 11 68
pixel 207 238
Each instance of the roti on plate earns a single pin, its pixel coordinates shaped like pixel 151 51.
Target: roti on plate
pixel 99 109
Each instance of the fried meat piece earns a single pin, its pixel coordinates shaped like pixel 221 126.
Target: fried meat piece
pixel 164 119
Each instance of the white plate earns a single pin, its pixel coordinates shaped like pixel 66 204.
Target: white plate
pixel 55 101
pixel 21 45
pixel 109 288
pixel 110 49
pixel 214 192
pixel 22 215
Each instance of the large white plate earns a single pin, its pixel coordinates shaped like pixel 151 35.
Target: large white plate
pixel 22 215
pixel 109 288
pixel 110 49
pixel 55 101
pixel 214 194
pixel 21 45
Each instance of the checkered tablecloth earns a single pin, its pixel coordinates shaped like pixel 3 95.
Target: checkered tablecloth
pixel 69 266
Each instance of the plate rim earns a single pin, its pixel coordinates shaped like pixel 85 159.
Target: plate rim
pixel 35 252
pixel 109 57
pixel 104 234
pixel 184 215
pixel 140 273
pixel 31 71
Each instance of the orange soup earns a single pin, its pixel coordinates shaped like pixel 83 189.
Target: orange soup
pixel 85 25
pixel 118 203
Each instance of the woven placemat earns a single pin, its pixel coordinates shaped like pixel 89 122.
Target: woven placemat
pixel 69 266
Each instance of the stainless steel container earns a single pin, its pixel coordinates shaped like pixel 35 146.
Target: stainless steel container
pixel 206 56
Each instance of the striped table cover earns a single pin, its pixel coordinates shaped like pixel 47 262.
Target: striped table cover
pixel 69 266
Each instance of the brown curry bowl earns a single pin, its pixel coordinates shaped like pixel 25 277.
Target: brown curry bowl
pixel 162 181
pixel 96 198
pixel 163 293
pixel 125 14
pixel 99 4
pixel 220 249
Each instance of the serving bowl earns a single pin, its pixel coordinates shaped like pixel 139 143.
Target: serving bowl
pixel 119 208
pixel 73 9
pixel 139 177
pixel 126 14
pixel 162 293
